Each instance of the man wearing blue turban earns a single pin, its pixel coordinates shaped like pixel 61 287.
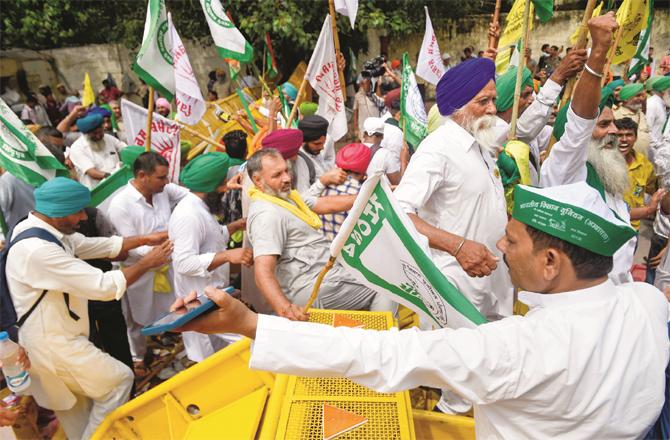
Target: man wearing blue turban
pixel 95 154
pixel 50 287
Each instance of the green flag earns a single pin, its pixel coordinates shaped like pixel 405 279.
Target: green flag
pixel 413 118
pixel 154 60
pixel 286 108
pixel 111 185
pixel 22 154
pixel 544 9
pixel 245 104
pixel 270 62
pixel 228 40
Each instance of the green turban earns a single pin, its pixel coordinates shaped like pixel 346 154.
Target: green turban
pixel 505 87
pixel 616 83
pixel 606 100
pixel 130 154
pixel 308 108
pixel 206 172
pixel 661 84
pixel 630 90
pixel 60 197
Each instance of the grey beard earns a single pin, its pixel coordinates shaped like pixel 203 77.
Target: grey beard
pixel 634 107
pixel 96 145
pixel 610 164
pixel 281 194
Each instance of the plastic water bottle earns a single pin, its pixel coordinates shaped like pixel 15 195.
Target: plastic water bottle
pixel 18 379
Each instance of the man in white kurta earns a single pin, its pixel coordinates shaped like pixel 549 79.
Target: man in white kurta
pixel 200 257
pixel 657 111
pixel 144 206
pixel 69 374
pixel 95 154
pixel 314 163
pixel 452 184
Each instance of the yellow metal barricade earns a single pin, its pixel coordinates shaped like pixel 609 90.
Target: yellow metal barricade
pixel 430 425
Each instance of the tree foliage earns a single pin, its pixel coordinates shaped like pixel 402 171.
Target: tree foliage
pixel 293 25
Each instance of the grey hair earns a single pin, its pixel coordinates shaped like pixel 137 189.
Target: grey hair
pixel 255 162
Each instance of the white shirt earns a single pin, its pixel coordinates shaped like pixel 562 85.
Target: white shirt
pixel 656 116
pixel 567 164
pixel 580 365
pixel 301 172
pixel 131 215
pixel 455 186
pixel 37 115
pixel 197 237
pixel 382 161
pixel 58 345
pixel 84 157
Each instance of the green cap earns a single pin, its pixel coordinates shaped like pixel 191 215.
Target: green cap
pixel 630 90
pixel 206 172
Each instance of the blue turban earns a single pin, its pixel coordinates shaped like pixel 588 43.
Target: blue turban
pixel 60 197
pixel 100 111
pixel 290 90
pixel 89 122
pixel 462 83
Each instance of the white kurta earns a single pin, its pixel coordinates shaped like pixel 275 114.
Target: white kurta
pixel 131 215
pixel 84 157
pixel 656 116
pixel 580 365
pixel 197 237
pixel 567 164
pixel 301 171
pixel 63 360
pixel 455 186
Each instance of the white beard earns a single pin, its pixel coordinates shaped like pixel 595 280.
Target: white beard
pixel 610 164
pixel 96 145
pixel 634 107
pixel 482 129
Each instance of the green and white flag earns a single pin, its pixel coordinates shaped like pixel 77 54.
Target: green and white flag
pixel 229 41
pixel 22 154
pixel 380 247
pixel 413 112
pixel 154 60
pixel 641 58
pixel 103 193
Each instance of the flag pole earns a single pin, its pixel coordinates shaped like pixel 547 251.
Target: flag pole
pixel 319 279
pixel 298 98
pixel 201 136
pixel 519 70
pixel 580 44
pixel 610 55
pixel 336 39
pixel 150 115
pixel 495 22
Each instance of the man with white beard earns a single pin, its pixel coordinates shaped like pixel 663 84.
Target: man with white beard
pixel 452 189
pixel 588 148
pixel 95 155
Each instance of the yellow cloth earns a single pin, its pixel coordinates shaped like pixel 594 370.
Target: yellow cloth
pixel 161 281
pixel 512 34
pixel 520 152
pixel 300 209
pixel 632 16
pixel 640 175
pixel 88 96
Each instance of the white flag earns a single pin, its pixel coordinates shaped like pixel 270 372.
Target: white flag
pixel 229 41
pixel 164 134
pixel 348 8
pixel 154 60
pixel 379 246
pixel 430 66
pixel 188 97
pixel 324 78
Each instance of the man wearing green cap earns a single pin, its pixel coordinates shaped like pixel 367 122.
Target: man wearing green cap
pixel 633 98
pixel 70 375
pixel 563 370
pixel 586 148
pixel 200 257
pixel 657 110
pixel 144 206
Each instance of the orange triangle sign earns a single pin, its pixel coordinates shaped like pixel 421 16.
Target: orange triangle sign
pixel 337 421
pixel 344 321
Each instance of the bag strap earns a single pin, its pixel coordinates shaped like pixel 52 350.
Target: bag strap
pixel 374 149
pixel 310 167
pixel 23 319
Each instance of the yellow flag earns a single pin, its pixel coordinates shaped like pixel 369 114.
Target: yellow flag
pixel 511 35
pixel 596 12
pixel 632 16
pixel 89 95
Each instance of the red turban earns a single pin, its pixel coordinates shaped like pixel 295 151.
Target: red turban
pixel 391 97
pixel 354 157
pixel 286 140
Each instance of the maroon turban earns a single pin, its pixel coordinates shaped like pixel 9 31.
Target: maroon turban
pixel 462 82
pixel 354 157
pixel 286 140
pixel 391 97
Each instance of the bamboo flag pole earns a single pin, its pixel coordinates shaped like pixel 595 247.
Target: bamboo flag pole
pixel 580 44
pixel 298 98
pixel 610 55
pixel 495 22
pixel 519 70
pixel 319 279
pixel 201 136
pixel 336 39
pixel 150 116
